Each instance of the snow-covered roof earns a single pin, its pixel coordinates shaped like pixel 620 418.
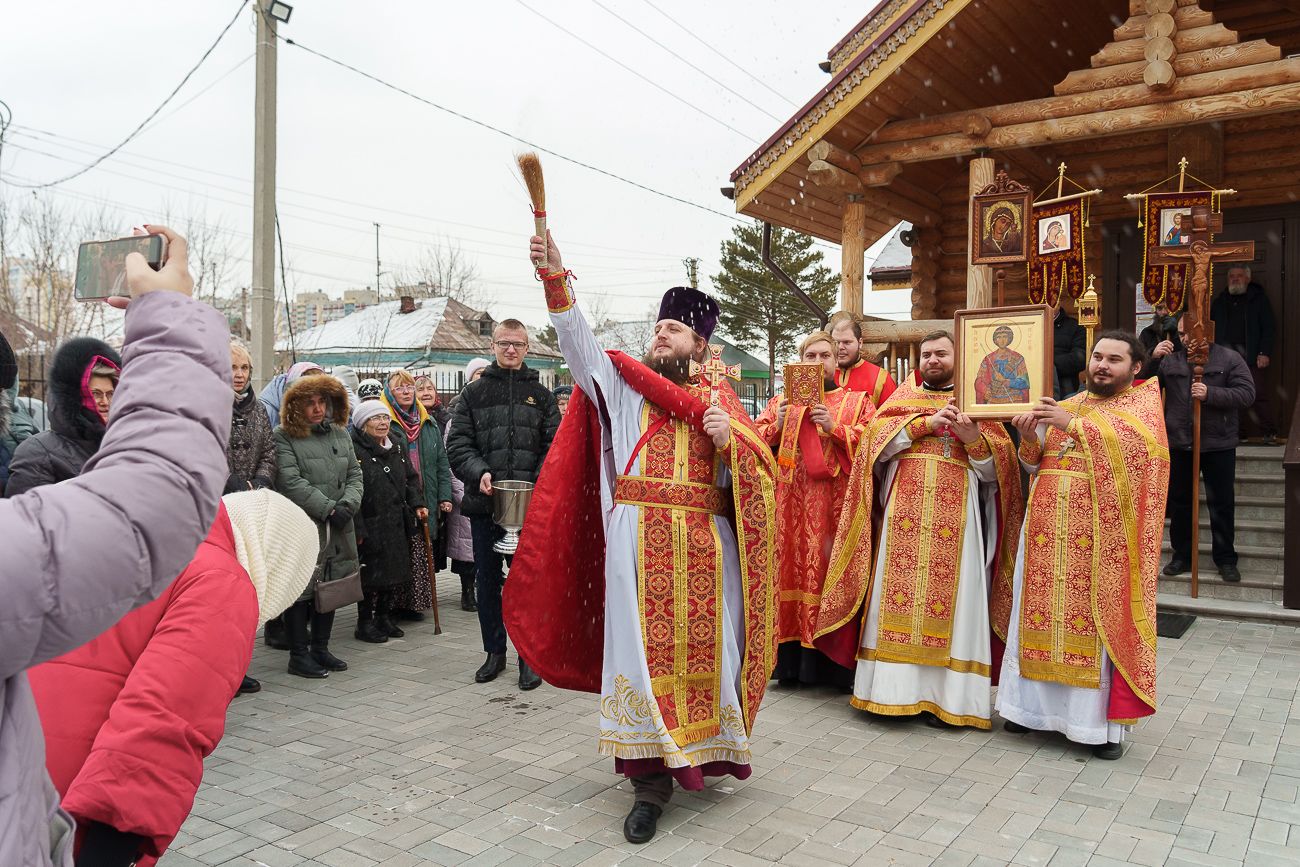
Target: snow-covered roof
pixel 379 326
pixel 895 260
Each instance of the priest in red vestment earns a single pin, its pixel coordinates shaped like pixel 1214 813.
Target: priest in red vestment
pixel 1080 618
pixel 853 372
pixel 645 568
pixel 815 448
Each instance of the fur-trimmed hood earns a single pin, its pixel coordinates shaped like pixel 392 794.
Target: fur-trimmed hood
pixel 293 416
pixel 68 415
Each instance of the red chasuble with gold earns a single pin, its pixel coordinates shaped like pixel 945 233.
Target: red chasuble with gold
pixel 868 377
pixel 926 526
pixel 1092 548
pixel 813 480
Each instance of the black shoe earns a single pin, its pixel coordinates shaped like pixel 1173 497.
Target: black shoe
pixel 305 665
pixel 935 722
pixel 368 632
pixel 1177 566
pixel 642 822
pixel 327 659
pixel 249 686
pixel 407 614
pixel 467 600
pixel 496 663
pixel 1230 573
pixel 528 679
pixel 1014 727
pixel 1108 752
pixel 273 635
pixel 384 624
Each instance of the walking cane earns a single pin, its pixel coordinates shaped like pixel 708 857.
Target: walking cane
pixel 433 576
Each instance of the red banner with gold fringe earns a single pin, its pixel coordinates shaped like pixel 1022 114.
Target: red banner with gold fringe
pixel 1056 256
pixel 1167 222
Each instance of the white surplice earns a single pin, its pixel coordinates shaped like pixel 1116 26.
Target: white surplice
pixel 959 694
pixel 1077 712
pixel 631 726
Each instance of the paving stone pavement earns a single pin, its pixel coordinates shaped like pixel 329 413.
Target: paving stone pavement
pixel 404 761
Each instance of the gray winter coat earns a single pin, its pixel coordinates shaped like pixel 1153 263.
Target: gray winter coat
pixel 251 451
pixel 1229 388
pixel 79 555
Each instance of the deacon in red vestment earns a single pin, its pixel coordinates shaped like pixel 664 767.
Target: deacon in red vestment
pixel 853 372
pixel 815 448
pixel 645 565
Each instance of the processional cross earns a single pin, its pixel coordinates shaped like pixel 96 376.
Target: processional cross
pixel 715 370
pixel 1200 254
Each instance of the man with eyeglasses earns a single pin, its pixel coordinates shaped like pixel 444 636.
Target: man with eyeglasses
pixel 502 426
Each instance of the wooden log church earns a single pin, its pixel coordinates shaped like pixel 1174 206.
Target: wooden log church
pixel 927 99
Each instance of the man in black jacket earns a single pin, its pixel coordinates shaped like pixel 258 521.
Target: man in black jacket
pixel 501 428
pixel 1069 352
pixel 1226 388
pixel 1243 320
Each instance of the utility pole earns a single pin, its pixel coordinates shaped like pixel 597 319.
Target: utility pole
pixel 377 294
pixel 263 283
pixel 692 264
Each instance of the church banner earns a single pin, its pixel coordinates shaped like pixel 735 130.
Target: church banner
pixel 1056 257
pixel 1167 222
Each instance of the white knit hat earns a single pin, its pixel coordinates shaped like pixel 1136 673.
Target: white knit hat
pixel 366 410
pixel 277 543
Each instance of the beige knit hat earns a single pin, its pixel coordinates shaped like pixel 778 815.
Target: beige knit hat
pixel 277 543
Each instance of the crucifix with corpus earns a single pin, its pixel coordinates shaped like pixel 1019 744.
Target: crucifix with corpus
pixel 714 371
pixel 1201 255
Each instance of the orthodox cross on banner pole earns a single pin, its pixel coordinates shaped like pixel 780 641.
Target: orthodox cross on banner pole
pixel 715 370
pixel 1201 253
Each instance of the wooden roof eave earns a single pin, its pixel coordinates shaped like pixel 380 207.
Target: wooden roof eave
pixel 920 22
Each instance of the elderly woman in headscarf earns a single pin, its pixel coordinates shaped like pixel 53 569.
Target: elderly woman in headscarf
pixel 427 394
pixel 428 456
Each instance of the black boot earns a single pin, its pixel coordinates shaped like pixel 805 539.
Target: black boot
pixel 642 822
pixel 384 616
pixel 301 661
pixel 321 627
pixel 250 685
pixel 528 679
pixel 496 663
pixel 273 634
pixel 467 594
pixel 366 629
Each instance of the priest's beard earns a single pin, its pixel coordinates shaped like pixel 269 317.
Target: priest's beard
pixel 1109 388
pixel 1235 288
pixel 674 368
pixel 941 378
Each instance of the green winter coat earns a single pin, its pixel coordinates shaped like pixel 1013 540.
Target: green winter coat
pixel 318 469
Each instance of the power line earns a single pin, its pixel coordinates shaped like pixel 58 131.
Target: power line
pixel 533 145
pixel 691 33
pixel 612 59
pixel 140 127
pixel 229 72
pixel 735 93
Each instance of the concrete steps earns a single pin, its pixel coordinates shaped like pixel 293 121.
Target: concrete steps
pixel 1260 530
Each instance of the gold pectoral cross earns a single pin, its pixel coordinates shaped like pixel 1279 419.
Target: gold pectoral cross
pixel 714 371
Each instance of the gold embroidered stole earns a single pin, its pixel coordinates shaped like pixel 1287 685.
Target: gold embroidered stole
pixel 1092 543
pixel 680 583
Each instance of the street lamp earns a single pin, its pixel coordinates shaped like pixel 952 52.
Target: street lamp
pixel 279 11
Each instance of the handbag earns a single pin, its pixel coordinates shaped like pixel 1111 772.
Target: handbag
pixel 332 594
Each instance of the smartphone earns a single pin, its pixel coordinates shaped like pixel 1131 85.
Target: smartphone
pixel 101 265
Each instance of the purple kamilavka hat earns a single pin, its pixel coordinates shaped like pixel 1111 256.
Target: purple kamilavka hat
pixel 691 307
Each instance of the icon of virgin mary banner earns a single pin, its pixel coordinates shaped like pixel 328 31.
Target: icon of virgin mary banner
pixel 1167 222
pixel 1056 256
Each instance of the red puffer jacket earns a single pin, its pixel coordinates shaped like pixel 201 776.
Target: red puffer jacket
pixel 130 716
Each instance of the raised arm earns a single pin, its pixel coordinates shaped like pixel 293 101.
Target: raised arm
pixel 590 366
pixel 82 553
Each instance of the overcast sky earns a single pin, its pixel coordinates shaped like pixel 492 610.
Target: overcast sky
pixel 78 76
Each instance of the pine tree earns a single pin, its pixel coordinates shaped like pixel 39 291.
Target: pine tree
pixel 757 309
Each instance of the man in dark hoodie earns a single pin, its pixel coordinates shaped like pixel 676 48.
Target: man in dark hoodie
pixel 501 428
pixel 1243 321
pixel 82 379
